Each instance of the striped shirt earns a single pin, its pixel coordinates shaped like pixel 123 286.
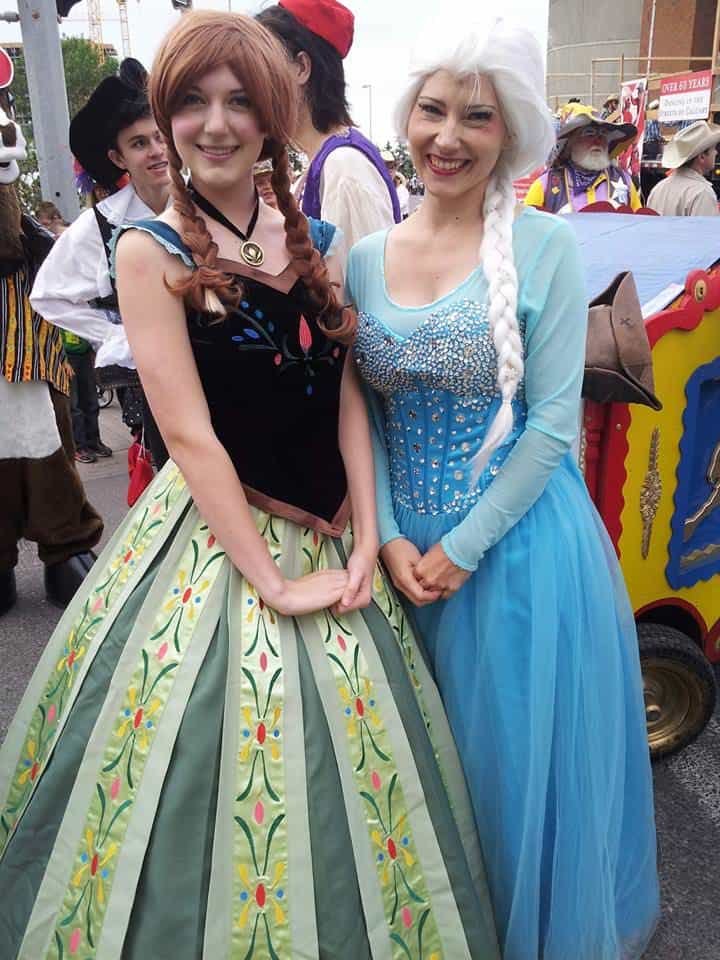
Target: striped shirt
pixel 30 348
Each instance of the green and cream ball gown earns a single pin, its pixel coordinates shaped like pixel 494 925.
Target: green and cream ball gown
pixel 191 775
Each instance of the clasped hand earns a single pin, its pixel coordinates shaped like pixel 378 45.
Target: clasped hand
pixel 341 590
pixel 422 578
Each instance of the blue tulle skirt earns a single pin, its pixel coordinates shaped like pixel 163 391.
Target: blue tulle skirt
pixel 536 658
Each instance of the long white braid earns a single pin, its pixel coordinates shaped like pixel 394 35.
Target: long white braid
pixel 498 262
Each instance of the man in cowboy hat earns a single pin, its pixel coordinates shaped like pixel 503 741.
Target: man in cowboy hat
pixel 691 156
pixel 582 170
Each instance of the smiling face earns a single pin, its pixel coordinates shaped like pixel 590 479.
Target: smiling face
pixel 456 134
pixel 216 131
pixel 12 148
pixel 142 152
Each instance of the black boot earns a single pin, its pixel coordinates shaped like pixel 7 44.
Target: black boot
pixel 8 592
pixel 63 579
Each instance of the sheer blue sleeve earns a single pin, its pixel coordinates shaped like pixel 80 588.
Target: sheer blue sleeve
pixel 554 300
pixel 387 525
pixel 358 276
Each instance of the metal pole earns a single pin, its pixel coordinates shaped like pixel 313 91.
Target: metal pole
pixel 651 38
pixel 716 39
pixel 368 87
pixel 48 103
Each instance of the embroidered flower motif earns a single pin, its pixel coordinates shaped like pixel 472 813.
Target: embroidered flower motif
pixel 257 333
pixel 89 877
pixel 261 886
pixel 304 335
pixel 32 767
pixel 136 723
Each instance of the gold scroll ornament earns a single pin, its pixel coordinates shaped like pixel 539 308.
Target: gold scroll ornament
pixel 650 493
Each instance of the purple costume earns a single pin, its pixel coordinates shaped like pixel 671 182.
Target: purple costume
pixel 353 138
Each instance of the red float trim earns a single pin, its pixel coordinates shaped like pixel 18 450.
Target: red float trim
pixel 612 474
pixel 710 639
pixel 712 643
pixel 702 295
pixel 682 605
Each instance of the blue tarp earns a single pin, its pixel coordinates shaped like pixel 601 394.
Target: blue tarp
pixel 660 251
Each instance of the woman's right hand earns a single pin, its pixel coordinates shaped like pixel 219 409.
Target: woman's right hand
pixel 400 557
pixel 315 591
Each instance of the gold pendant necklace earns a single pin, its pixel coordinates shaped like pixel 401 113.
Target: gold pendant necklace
pixel 251 252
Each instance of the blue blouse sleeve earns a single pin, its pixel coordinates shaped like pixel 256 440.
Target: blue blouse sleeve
pixel 165 235
pixel 359 263
pixel 554 298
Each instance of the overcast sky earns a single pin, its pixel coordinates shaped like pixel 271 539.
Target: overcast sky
pixel 384 32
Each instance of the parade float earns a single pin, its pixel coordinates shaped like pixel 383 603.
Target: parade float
pixel 654 475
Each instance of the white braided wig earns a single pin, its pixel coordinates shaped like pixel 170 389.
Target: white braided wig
pixel 510 57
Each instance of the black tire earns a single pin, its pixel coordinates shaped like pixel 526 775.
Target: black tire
pixel 106 395
pixel 679 686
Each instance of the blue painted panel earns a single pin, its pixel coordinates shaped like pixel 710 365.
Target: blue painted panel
pixel 694 552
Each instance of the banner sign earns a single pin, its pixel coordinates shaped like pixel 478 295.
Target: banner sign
pixel 633 98
pixel 686 96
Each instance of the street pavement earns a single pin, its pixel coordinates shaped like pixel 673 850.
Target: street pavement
pixel 687 787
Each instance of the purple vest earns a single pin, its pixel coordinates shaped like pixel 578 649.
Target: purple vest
pixel 311 192
pixel 615 187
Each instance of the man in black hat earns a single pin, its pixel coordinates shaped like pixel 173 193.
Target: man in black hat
pixel 121 153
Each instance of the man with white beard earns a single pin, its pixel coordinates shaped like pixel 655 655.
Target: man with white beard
pixel 582 169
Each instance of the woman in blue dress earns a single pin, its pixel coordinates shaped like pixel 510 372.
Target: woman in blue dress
pixel 227 752
pixel 471 335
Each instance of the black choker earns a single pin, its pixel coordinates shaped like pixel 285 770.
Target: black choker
pixel 251 252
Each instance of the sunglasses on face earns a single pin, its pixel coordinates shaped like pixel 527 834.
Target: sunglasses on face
pixel 592 133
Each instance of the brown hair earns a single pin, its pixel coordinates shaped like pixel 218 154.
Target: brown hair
pixel 216 39
pixel 11 247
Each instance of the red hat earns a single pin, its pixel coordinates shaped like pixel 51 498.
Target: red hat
pixel 6 69
pixel 326 18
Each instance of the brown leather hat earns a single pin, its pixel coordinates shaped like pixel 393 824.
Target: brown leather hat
pixel 618 360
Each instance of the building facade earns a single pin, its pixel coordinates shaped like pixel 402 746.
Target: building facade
pixel 584 33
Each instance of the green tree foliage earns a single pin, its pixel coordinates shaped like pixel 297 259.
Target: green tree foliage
pixel 402 156
pixel 84 69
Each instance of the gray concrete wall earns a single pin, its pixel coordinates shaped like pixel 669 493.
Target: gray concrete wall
pixel 583 29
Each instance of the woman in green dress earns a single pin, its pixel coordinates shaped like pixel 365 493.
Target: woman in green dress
pixel 232 747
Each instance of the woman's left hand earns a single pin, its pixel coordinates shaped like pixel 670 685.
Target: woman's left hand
pixel 436 571
pixel 360 569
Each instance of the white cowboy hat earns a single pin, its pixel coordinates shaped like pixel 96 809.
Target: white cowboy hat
pixel 690 143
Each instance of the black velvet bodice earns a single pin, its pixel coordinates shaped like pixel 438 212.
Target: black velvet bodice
pixel 272 381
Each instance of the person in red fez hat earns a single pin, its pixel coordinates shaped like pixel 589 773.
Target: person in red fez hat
pixel 347 182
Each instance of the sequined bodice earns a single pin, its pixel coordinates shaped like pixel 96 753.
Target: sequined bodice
pixel 439 390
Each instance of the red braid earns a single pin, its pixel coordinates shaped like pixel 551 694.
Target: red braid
pixel 336 321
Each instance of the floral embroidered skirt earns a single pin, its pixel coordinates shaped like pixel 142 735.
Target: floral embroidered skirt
pixel 192 776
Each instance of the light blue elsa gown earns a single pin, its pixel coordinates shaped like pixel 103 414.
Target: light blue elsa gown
pixel 536 655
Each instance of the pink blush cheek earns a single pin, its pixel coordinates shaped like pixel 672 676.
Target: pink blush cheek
pixel 184 131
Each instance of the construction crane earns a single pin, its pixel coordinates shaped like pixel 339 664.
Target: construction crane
pixel 124 28
pixel 95 21
pixel 95 25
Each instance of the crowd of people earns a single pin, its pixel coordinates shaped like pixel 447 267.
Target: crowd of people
pixel 583 167
pixel 358 675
